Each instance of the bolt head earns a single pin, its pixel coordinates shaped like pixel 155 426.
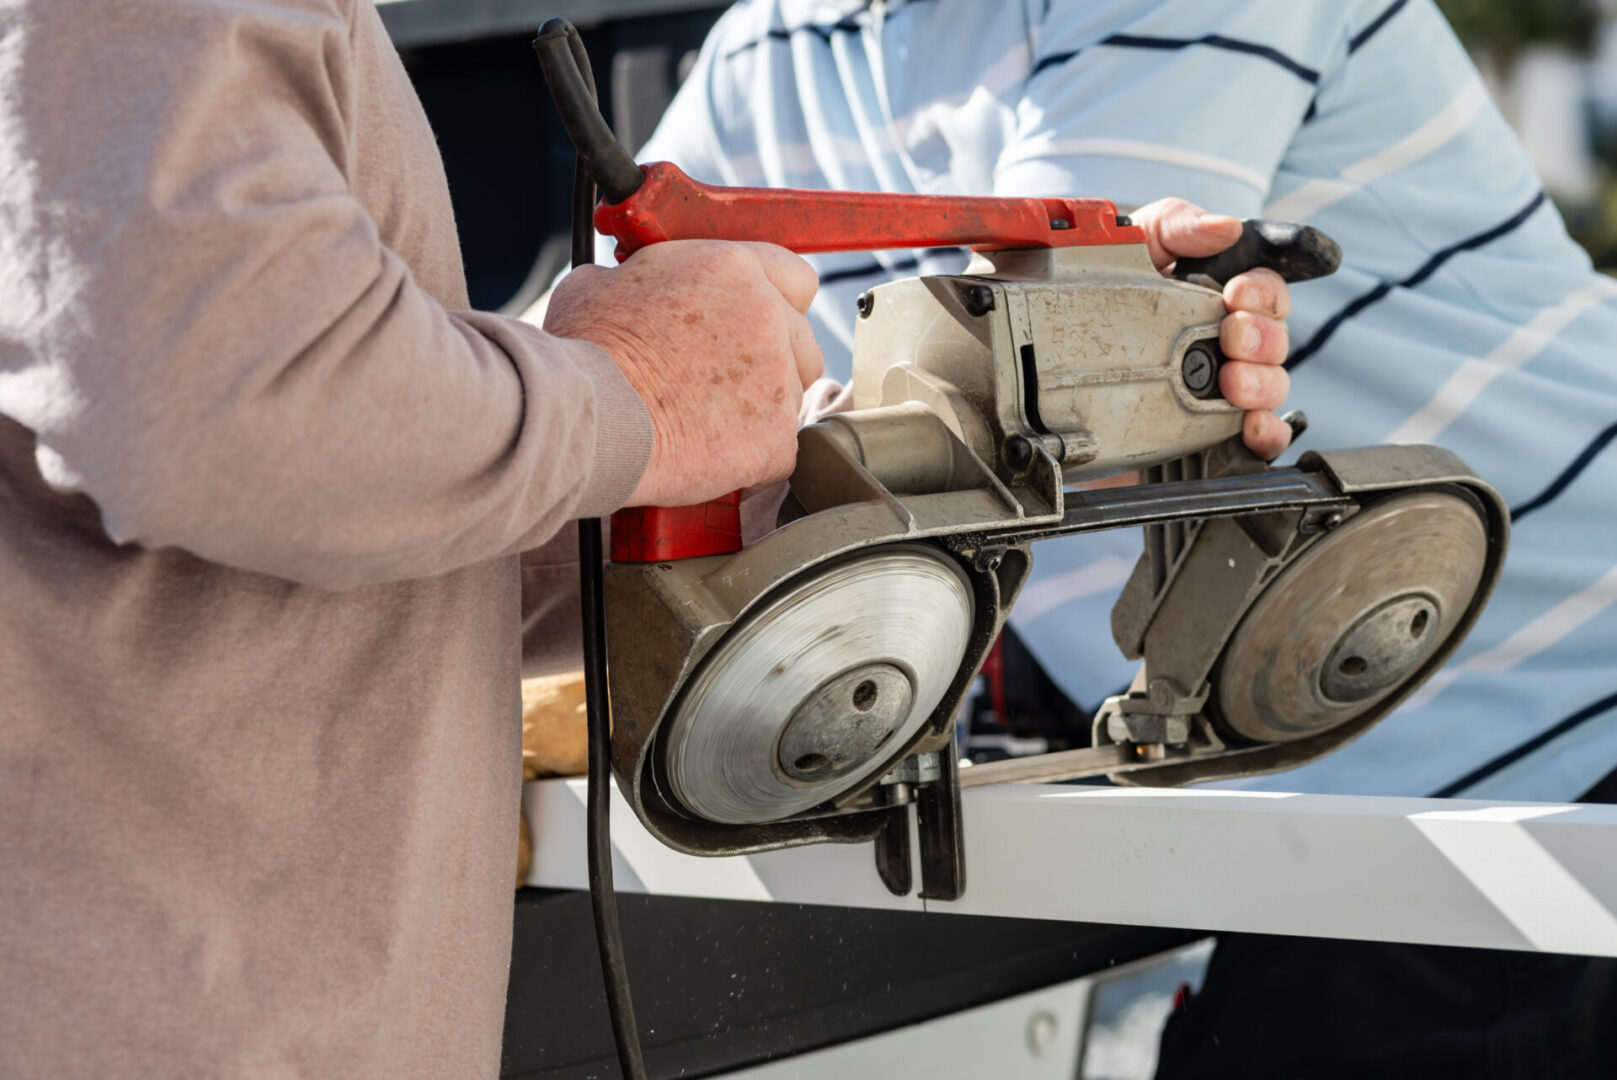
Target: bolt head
pixel 979 300
pixel 1200 369
pixel 1018 452
pixel 866 304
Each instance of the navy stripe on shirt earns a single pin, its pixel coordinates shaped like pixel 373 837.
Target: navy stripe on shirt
pixel 1560 483
pixel 1430 267
pixel 831 277
pixel 867 270
pixel 1370 31
pixel 1537 742
pixel 1216 41
pixel 1053 60
pixel 848 24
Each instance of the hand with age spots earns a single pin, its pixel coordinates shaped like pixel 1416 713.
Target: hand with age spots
pixel 1253 335
pixel 712 336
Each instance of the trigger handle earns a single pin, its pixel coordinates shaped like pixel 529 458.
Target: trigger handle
pixel 1295 252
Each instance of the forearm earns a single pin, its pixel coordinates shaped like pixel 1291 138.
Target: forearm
pixel 221 349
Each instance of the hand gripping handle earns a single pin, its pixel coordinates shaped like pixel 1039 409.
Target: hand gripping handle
pixel 658 202
pixel 669 205
pixel 641 533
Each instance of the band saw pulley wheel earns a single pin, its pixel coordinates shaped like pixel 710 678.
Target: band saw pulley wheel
pixel 1355 618
pixel 817 689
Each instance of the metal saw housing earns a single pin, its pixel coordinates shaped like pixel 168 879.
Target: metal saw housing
pixel 977 399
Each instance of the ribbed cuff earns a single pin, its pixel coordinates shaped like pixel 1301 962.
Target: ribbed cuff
pixel 624 436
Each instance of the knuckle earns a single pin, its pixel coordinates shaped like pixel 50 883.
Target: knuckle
pixel 735 257
pixel 1283 343
pixel 1232 380
pixel 716 258
pixel 1276 295
pixel 1278 341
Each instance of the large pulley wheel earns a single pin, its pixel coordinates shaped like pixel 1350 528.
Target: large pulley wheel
pixel 815 691
pixel 1354 618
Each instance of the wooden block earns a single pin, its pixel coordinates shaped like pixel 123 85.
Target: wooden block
pixel 554 738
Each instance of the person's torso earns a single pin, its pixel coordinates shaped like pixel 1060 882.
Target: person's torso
pixel 264 826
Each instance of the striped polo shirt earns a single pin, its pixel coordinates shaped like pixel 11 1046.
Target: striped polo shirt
pixel 1462 315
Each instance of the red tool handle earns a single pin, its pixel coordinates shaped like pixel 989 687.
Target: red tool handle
pixel 669 205
pixel 665 533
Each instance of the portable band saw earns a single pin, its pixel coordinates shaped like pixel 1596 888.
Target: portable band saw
pixel 802 689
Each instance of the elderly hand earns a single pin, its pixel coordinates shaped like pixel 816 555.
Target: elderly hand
pixel 1253 336
pixel 712 336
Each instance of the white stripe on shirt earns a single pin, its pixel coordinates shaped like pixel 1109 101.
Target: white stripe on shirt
pixel 1473 376
pixel 1532 639
pixel 1450 121
pixel 1033 150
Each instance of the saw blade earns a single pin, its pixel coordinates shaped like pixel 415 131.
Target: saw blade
pixel 816 690
pixel 1354 618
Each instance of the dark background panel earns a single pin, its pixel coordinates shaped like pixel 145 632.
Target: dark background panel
pixel 722 984
pixel 509 162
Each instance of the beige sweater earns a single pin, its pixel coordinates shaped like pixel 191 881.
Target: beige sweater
pixel 262 485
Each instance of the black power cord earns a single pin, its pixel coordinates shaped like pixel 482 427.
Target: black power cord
pixel 567 71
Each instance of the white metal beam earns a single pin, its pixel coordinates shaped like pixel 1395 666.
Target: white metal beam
pixel 1525 876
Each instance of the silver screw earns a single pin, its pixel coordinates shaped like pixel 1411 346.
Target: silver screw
pixel 1198 368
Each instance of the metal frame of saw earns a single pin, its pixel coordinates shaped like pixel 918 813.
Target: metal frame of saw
pixel 847 509
pixel 978 398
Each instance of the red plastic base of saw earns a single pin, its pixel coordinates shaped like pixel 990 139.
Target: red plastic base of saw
pixel 645 534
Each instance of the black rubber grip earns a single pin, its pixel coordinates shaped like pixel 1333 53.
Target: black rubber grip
pixel 1295 252
pixel 566 67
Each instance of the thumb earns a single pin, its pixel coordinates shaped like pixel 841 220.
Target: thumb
pixel 1174 227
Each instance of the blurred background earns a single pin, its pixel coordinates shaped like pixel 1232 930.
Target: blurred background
pixel 1552 67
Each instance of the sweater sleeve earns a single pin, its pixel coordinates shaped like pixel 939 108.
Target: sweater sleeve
pixel 202 325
